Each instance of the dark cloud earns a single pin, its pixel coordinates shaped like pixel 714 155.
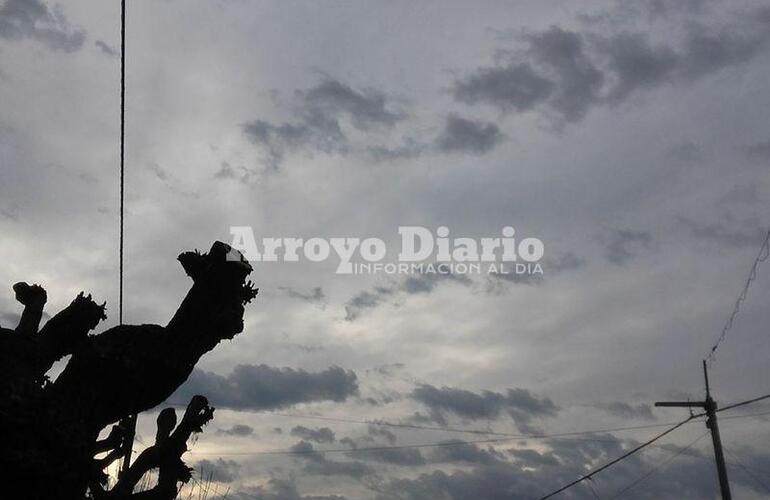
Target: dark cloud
pixel 319 435
pixel 404 457
pixel 227 171
pixel 457 451
pixel 219 470
pixel 727 231
pixel 511 88
pixel 758 151
pixel 468 136
pixel 239 430
pixel 622 245
pixel 578 81
pixel 496 282
pixel 635 64
pixel 316 295
pixel 740 195
pixel 685 151
pixel 321 114
pixel 317 134
pixel 564 73
pixel 652 10
pixel 567 261
pixel 261 387
pixel 316 463
pixel 279 489
pixel 532 474
pixel 365 108
pixel 498 481
pixel 106 49
pixel 410 149
pixel 627 411
pixel 519 404
pixel 532 458
pixel 381 432
pixel 366 300
pixel 427 282
pixel 33 19
pixel 410 285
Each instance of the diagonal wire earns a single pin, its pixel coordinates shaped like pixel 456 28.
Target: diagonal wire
pixel 764 252
pixel 658 467
pixel 620 458
pixel 746 470
pixel 744 403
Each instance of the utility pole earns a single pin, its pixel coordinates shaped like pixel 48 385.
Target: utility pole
pixel 710 407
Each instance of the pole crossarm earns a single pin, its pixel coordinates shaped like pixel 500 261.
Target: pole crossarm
pixel 681 404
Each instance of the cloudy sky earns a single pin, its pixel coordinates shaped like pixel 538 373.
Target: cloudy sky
pixel 631 137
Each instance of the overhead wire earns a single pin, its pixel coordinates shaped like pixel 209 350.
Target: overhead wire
pixel 658 467
pixel 764 253
pixel 632 451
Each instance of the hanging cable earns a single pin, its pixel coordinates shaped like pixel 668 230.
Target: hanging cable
pixel 764 252
pixel 753 476
pixel 129 444
pixel 658 467
pixel 620 458
pixel 122 148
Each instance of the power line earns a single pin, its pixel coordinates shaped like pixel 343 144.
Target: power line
pixel 132 420
pixel 122 150
pixel 475 431
pixel 622 457
pixel 659 466
pixel 507 434
pixel 744 403
pixel 764 252
pixel 361 450
pixel 508 438
pixel 747 471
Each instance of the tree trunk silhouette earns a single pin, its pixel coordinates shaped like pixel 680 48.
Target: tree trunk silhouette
pixel 49 430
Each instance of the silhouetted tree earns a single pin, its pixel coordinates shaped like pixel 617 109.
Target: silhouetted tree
pixel 49 430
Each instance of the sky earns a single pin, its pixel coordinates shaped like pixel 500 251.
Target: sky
pixel 630 137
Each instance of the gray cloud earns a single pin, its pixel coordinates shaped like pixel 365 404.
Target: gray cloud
pixel 319 435
pixel 366 300
pixel 239 430
pixel 407 151
pixel 521 405
pixel 532 458
pixel 381 432
pixel 567 261
pixel 33 19
pixel 578 80
pixel 316 295
pixel 758 151
pixel 468 136
pixel 219 470
pixel 511 88
pixel 261 387
pixel 279 489
pixel 316 463
pixel 365 108
pixel 628 411
pixel 459 451
pixel 533 474
pixel 727 231
pixel 410 285
pixel 404 457
pixel 319 114
pixel 565 73
pixel 622 245
pixel 106 49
